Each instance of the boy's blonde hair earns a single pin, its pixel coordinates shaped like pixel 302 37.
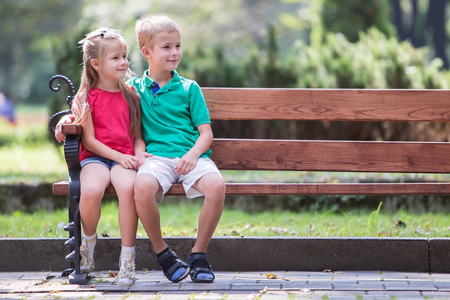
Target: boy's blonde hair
pixel 149 25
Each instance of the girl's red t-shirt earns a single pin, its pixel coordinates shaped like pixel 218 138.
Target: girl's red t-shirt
pixel 111 119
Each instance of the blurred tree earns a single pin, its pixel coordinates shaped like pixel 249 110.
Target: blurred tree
pixel 417 20
pixel 350 17
pixel 26 27
pixel 436 24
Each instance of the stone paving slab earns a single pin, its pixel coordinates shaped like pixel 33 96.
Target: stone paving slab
pixel 232 285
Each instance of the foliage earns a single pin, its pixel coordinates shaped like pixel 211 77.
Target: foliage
pixel 180 219
pixel 350 17
pixel 29 27
pixel 375 61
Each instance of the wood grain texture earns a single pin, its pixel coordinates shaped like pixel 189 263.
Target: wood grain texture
pixel 328 104
pixel 344 156
pixel 254 188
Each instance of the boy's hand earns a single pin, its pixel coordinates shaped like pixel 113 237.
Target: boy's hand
pixel 186 164
pixel 60 137
pixel 141 157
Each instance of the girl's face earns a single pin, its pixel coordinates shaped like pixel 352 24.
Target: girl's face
pixel 113 64
pixel 165 55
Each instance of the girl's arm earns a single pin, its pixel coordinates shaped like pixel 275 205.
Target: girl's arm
pixel 97 147
pixel 188 162
pixel 60 137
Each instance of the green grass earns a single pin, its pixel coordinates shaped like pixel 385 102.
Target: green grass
pixel 180 219
pixel 27 155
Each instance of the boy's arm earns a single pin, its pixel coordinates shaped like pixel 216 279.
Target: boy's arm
pixel 188 162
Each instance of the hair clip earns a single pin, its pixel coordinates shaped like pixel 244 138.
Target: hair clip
pixel 102 33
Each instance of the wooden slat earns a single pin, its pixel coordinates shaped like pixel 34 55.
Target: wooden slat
pixel 441 188
pixel 71 129
pixel 344 156
pixel 328 104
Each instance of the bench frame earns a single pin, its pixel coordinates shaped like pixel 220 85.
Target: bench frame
pixel 300 155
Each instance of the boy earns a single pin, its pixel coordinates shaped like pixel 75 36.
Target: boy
pixel 177 132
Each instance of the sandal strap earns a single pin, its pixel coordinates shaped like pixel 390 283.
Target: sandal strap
pixel 178 262
pixel 197 256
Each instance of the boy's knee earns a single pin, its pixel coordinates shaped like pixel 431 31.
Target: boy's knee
pixel 215 186
pixel 145 186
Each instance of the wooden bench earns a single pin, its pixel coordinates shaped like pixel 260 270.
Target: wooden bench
pixel 311 155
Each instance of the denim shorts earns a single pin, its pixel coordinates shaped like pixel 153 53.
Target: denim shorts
pixel 99 160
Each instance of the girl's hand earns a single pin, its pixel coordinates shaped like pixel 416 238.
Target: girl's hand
pixel 186 164
pixel 60 137
pixel 128 162
pixel 141 158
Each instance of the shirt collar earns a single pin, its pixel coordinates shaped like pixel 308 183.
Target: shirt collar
pixel 173 83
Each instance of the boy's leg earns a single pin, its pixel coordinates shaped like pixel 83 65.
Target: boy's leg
pixel 123 182
pixel 212 186
pixel 145 189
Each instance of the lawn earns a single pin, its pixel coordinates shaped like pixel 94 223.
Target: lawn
pixel 180 219
pixel 27 155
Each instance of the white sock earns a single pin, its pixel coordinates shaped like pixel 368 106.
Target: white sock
pixel 128 250
pixel 91 245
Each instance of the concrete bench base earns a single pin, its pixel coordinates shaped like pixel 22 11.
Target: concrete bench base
pixel 248 254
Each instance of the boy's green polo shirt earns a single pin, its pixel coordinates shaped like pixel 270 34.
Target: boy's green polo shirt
pixel 171 116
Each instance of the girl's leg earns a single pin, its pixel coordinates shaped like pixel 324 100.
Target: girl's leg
pixel 123 182
pixel 213 187
pixel 94 179
pixel 145 189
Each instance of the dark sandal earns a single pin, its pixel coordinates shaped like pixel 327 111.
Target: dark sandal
pixel 175 272
pixel 198 273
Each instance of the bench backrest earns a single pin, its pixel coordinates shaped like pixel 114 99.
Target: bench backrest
pixel 330 105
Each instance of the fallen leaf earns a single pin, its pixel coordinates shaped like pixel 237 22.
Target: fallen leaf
pixel 327 271
pixel 286 279
pixel 305 290
pixel 400 223
pixel 105 234
pixel 264 290
pixel 278 230
pixel 111 274
pixel 272 276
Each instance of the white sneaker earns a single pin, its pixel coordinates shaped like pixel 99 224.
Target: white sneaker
pixel 87 264
pixel 127 267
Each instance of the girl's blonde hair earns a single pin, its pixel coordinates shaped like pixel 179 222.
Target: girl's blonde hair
pixel 93 48
pixel 149 25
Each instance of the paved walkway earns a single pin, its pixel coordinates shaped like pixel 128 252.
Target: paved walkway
pixel 233 285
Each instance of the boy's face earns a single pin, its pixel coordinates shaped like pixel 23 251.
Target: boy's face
pixel 165 55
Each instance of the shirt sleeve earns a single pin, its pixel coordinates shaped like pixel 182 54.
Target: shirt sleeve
pixel 199 111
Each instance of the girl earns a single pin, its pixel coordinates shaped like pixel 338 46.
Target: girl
pixel 109 112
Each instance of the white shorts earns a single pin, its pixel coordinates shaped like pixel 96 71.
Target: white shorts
pixel 162 168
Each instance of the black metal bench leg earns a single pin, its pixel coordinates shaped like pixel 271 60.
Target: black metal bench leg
pixel 71 150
